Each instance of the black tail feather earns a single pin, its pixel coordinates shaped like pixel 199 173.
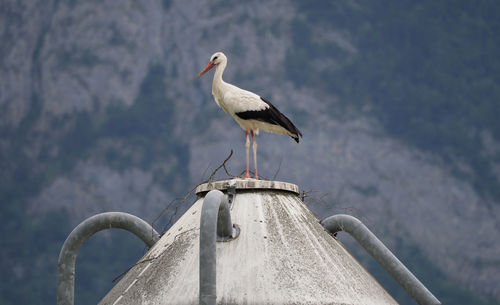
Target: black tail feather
pixel 273 116
pixel 283 121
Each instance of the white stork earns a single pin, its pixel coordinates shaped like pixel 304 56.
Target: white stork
pixel 249 110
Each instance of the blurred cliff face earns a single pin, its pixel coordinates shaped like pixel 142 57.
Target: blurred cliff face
pixel 100 110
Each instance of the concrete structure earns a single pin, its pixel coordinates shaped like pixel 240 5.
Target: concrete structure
pixel 281 256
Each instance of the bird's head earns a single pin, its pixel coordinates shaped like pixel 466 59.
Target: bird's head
pixel 215 59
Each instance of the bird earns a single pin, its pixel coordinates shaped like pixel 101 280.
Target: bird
pixel 251 111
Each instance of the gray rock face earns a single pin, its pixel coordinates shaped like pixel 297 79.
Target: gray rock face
pixel 59 60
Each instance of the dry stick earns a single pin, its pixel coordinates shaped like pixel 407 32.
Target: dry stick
pixel 180 201
pixel 222 165
pixel 320 200
pixel 166 209
pixel 278 170
pixel 183 199
pixel 243 172
pixel 227 172
pixel 205 171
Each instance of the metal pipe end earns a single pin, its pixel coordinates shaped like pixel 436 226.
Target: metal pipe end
pixel 234 234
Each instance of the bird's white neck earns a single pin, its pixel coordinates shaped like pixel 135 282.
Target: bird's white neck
pixel 218 75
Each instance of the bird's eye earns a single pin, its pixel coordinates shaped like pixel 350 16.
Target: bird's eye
pixel 215 57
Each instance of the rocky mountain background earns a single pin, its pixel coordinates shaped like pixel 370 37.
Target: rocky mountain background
pixel 100 110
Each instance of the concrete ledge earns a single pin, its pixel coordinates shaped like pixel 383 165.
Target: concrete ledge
pixel 247 184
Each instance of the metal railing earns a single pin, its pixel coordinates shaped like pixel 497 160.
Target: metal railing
pixel 87 228
pixel 215 225
pixel 382 255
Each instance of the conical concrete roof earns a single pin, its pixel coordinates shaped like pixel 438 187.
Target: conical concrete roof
pixel 282 256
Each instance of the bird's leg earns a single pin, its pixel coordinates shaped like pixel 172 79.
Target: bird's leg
pixel 247 146
pixel 254 146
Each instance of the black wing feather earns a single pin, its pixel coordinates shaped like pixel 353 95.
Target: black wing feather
pixel 271 115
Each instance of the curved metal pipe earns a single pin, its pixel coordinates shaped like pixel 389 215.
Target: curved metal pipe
pixel 382 255
pixel 215 221
pixel 87 228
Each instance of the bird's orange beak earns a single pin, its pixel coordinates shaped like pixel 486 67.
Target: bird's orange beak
pixel 209 66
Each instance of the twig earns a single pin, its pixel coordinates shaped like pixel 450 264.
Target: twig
pixel 205 171
pixel 227 172
pixel 177 203
pixel 222 165
pixel 181 201
pixel 278 170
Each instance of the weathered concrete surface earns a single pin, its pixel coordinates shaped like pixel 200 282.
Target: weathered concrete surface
pixel 282 256
pixel 247 184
